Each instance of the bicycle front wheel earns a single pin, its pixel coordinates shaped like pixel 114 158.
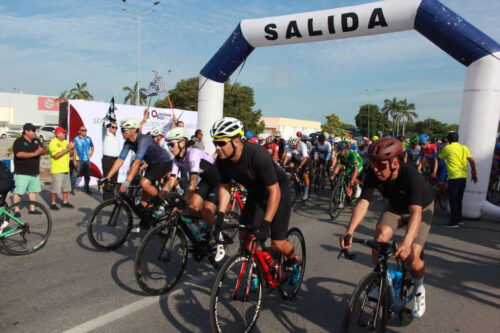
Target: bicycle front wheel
pixel 109 225
pixel 290 287
pixel 365 312
pixel 161 259
pixel 337 201
pixel 36 230
pixel 231 309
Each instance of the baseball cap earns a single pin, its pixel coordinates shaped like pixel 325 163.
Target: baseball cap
pixel 29 126
pixel 59 130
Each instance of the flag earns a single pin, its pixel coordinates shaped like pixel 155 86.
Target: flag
pixel 156 86
pixel 110 116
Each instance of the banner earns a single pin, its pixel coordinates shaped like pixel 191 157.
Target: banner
pixel 48 104
pixel 91 115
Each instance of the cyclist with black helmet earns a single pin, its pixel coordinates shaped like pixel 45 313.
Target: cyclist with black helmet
pixel 411 204
pixel 322 151
pixel 268 205
pixel 352 162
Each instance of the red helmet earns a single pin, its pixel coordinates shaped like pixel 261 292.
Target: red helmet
pixel 299 134
pixel 385 149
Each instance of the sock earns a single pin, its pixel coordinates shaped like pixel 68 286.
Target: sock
pixel 306 190
pixel 419 284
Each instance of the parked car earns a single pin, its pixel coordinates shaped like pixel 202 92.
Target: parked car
pixel 46 133
pixel 4 132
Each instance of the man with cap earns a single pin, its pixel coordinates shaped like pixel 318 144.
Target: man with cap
pixel 27 151
pixel 60 152
pixel 111 147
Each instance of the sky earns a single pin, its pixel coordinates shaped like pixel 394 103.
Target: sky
pixel 48 46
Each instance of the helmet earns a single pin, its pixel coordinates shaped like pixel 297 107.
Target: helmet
pixel 156 131
pixel 304 137
pixel 293 140
pixel 353 146
pixel 314 137
pixel 453 136
pixel 414 139
pixel 385 149
pixel 249 135
pixel 375 138
pixel 321 137
pixel 227 127
pixel 269 139
pixel 299 134
pixel 262 136
pixel 343 145
pixel 337 139
pixel 277 133
pixel 177 133
pixel 129 123
pixel 434 139
pixel 424 138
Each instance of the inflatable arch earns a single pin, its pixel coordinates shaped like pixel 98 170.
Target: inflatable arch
pixel 480 112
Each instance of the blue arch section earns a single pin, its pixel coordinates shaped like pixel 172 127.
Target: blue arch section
pixel 451 33
pixel 234 51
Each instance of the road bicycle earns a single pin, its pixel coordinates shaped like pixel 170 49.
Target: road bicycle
pixel 319 176
pixel 342 194
pixel 376 298
pixel 236 298
pixel 296 184
pixel 26 232
pixel 237 201
pixel 162 256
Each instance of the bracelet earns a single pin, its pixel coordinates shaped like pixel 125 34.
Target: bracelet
pixel 126 184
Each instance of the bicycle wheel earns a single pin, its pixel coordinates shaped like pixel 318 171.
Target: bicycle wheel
pixel 362 313
pixel 405 315
pixel 161 259
pixel 109 225
pixel 317 178
pixel 33 235
pixel 287 289
pixel 337 201
pixel 230 309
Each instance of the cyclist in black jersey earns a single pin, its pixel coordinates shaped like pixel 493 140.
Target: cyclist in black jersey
pixel 268 204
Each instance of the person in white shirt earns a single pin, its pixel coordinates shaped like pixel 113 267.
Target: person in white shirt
pixel 296 159
pixel 111 148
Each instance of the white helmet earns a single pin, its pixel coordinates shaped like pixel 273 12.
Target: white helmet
pixel 337 139
pixel 156 131
pixel 129 123
pixel 177 133
pixel 293 140
pixel 262 136
pixel 227 127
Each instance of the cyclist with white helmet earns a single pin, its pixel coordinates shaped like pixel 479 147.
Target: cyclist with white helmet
pixel 296 158
pixel 268 204
pixel 204 180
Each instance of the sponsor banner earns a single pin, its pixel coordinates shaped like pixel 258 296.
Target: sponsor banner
pixel 48 104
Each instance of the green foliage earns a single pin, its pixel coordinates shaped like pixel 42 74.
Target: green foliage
pixel 80 92
pixel 184 96
pixel 430 126
pixel 378 121
pixel 132 95
pixel 333 125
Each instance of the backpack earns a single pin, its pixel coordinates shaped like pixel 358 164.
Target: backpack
pixel 6 179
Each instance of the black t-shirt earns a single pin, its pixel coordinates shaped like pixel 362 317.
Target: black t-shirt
pixel 26 166
pixel 255 170
pixel 409 188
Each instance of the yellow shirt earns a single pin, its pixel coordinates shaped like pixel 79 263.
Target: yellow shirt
pixel 456 156
pixel 60 165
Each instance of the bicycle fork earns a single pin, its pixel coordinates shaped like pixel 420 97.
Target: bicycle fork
pixel 243 269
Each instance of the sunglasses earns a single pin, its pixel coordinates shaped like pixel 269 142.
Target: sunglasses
pixel 220 143
pixel 123 130
pixel 83 130
pixel 380 166
pixel 171 144
pixel 113 127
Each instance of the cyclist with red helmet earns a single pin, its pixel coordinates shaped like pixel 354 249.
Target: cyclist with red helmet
pixel 412 204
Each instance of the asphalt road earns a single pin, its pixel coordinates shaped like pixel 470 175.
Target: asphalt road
pixel 68 286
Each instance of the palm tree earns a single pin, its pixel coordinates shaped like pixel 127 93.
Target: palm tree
pixel 80 93
pixel 391 107
pixel 132 96
pixel 405 114
pixel 63 97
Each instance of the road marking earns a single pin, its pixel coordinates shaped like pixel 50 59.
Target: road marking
pixel 128 309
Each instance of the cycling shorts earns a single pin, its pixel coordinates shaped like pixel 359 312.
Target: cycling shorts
pixel 157 171
pixel 394 220
pixel 254 211
pixel 322 161
pixel 305 167
pixel 207 191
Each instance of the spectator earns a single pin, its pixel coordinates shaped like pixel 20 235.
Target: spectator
pixel 111 148
pixel 27 150
pixel 456 156
pixel 60 151
pixel 84 149
pixel 176 122
pixel 198 143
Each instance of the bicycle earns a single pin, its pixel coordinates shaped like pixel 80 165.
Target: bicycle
pixel 343 193
pixel 236 298
pixel 296 184
pixel 493 194
pixel 28 235
pixel 319 177
pixel 375 298
pixel 162 255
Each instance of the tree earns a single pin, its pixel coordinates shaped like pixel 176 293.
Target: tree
pixel 80 93
pixel 432 127
pixel 391 108
pixel 405 114
pixel 333 125
pixel 378 121
pixel 132 95
pixel 63 97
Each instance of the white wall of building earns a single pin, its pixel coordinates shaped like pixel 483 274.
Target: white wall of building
pixel 289 126
pixel 17 109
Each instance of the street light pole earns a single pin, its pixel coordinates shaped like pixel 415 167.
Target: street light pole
pixel 368 127
pixel 139 15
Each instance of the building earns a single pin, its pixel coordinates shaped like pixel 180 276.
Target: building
pixel 17 108
pixel 289 127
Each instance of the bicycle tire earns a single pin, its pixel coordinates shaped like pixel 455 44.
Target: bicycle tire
pixel 360 293
pixel 337 201
pixel 155 273
pixel 226 313
pixel 109 225
pixel 294 236
pixel 317 178
pixel 405 316
pixel 34 236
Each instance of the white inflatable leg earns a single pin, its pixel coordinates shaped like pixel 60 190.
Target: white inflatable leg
pixel 210 107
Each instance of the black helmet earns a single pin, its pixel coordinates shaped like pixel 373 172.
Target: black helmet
pixel 453 136
pixel 322 137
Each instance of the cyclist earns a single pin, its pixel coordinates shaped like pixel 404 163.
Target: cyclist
pixel 296 158
pixel 268 204
pixel 352 162
pixel 272 148
pixel 412 204
pixel 250 137
pixel 322 152
pixel 281 145
pixel 412 153
pixel 428 152
pixel 204 178
pixel 146 150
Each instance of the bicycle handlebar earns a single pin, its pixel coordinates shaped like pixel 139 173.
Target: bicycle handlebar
pixel 369 242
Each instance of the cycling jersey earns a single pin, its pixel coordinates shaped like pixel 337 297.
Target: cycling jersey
pixel 145 149
pixel 413 155
pixel 299 153
pixel 350 161
pixel 271 148
pixel 323 151
pixel 197 161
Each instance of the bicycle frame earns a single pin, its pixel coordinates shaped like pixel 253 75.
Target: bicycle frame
pixel 13 231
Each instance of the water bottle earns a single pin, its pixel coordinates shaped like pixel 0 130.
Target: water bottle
pixel 192 226
pixel 397 280
pixel 203 230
